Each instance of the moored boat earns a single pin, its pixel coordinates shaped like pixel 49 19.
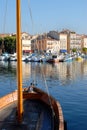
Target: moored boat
pixel 68 57
pixel 41 111
pixel 79 58
pixel 54 59
pixel 4 57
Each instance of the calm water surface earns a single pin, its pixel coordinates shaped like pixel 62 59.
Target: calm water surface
pixel 67 82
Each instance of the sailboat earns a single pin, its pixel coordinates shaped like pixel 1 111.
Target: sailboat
pixel 29 108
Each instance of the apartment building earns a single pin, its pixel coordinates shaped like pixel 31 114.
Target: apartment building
pixel 52 45
pixel 26 46
pixel 45 43
pixel 63 42
pixel 75 41
pixel 84 41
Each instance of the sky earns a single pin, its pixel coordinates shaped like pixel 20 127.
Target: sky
pixel 40 16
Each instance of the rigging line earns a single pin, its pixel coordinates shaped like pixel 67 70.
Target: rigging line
pixel 47 90
pixel 32 30
pixel 31 15
pixel 32 21
pixel 4 26
pixel 12 92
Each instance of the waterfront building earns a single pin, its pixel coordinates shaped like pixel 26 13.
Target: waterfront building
pixel 63 42
pixel 72 40
pixel 39 43
pixel 75 41
pixel 64 39
pixel 53 35
pixel 46 44
pixel 53 45
pixel 53 41
pixel 25 35
pixel 26 46
pixel 4 35
pixel 84 39
pixel 26 42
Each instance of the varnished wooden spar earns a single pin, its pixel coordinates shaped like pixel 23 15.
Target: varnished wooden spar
pixel 19 62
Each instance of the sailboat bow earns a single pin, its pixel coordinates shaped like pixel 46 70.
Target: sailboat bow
pixel 38 112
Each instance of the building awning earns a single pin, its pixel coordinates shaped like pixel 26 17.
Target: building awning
pixel 27 51
pixel 63 50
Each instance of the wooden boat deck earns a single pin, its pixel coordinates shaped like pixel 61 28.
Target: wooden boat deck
pixel 37 111
pixel 35 114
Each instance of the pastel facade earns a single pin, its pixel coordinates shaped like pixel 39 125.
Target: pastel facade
pixel 53 46
pixel 85 42
pixel 26 46
pixel 51 42
pixel 75 41
pixel 63 41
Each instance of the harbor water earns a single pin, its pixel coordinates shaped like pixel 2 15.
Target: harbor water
pixel 65 81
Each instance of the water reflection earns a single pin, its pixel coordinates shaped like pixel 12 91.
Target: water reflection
pixel 65 73
pixel 67 82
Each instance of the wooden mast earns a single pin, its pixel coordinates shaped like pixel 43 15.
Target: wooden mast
pixel 19 62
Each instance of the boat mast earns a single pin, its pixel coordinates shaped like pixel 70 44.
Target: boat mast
pixel 19 62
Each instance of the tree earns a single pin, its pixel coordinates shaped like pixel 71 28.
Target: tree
pixel 0 42
pixel 84 50
pixel 10 44
pixel 74 50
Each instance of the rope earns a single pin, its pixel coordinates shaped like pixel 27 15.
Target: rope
pixel 4 25
pixel 30 11
pixel 47 91
pixel 31 15
pixel 12 93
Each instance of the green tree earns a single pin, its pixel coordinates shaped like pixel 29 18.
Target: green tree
pixel 10 44
pixel 0 42
pixel 84 50
pixel 74 50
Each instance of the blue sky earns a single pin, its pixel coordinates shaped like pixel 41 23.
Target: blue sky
pixel 40 16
